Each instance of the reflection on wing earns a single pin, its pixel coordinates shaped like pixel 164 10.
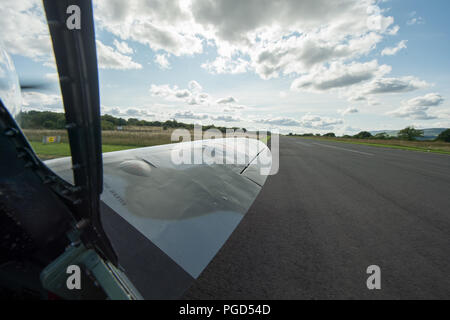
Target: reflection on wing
pixel 187 211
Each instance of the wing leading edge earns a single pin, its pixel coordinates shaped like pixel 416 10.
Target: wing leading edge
pixel 186 211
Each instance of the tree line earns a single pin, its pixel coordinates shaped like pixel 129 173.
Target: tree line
pixel 408 133
pixel 56 121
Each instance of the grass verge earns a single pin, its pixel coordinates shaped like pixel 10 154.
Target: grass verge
pixel 112 140
pixel 58 150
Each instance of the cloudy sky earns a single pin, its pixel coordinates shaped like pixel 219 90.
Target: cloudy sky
pixel 295 65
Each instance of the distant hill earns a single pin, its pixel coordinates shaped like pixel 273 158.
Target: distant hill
pixel 428 134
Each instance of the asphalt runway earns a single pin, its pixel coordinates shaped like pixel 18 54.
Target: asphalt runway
pixel 331 211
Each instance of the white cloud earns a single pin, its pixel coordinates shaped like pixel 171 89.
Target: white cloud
pixel 202 116
pixel 234 108
pixel 169 92
pixel 189 115
pixel 163 90
pixel 357 98
pixel 383 85
pixel 138 113
pixel 160 24
pixel 320 123
pixel 339 75
pixel 274 38
pixel 109 58
pixel 393 31
pixel 52 76
pixel 394 85
pixel 192 96
pixel 162 61
pixel 194 86
pixel 373 102
pixel 122 47
pixel 301 54
pixel 227 100
pixel 198 99
pixel 24 30
pixel 415 19
pixel 349 110
pixel 281 121
pixel 417 108
pixel 127 112
pixel 269 38
pixel 226 118
pixel 41 100
pixel 227 65
pixel 351 130
pixel 412 112
pixel 114 111
pixel 237 21
pixel 181 94
pixel 307 122
pixel 392 51
pixel 429 100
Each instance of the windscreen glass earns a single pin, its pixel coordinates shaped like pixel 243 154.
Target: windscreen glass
pixel 9 84
pixel 31 91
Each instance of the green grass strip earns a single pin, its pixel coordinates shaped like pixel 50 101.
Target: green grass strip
pixel 57 150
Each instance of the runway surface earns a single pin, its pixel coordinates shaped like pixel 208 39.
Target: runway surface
pixel 331 211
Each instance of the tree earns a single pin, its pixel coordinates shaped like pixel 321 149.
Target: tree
pixel 107 125
pixel 115 121
pixel 381 135
pixel 52 121
pixel 363 135
pixel 444 136
pixel 409 133
pixel 133 122
pixel 49 124
pixel 329 134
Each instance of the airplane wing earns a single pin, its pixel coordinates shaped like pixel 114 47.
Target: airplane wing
pixel 167 220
